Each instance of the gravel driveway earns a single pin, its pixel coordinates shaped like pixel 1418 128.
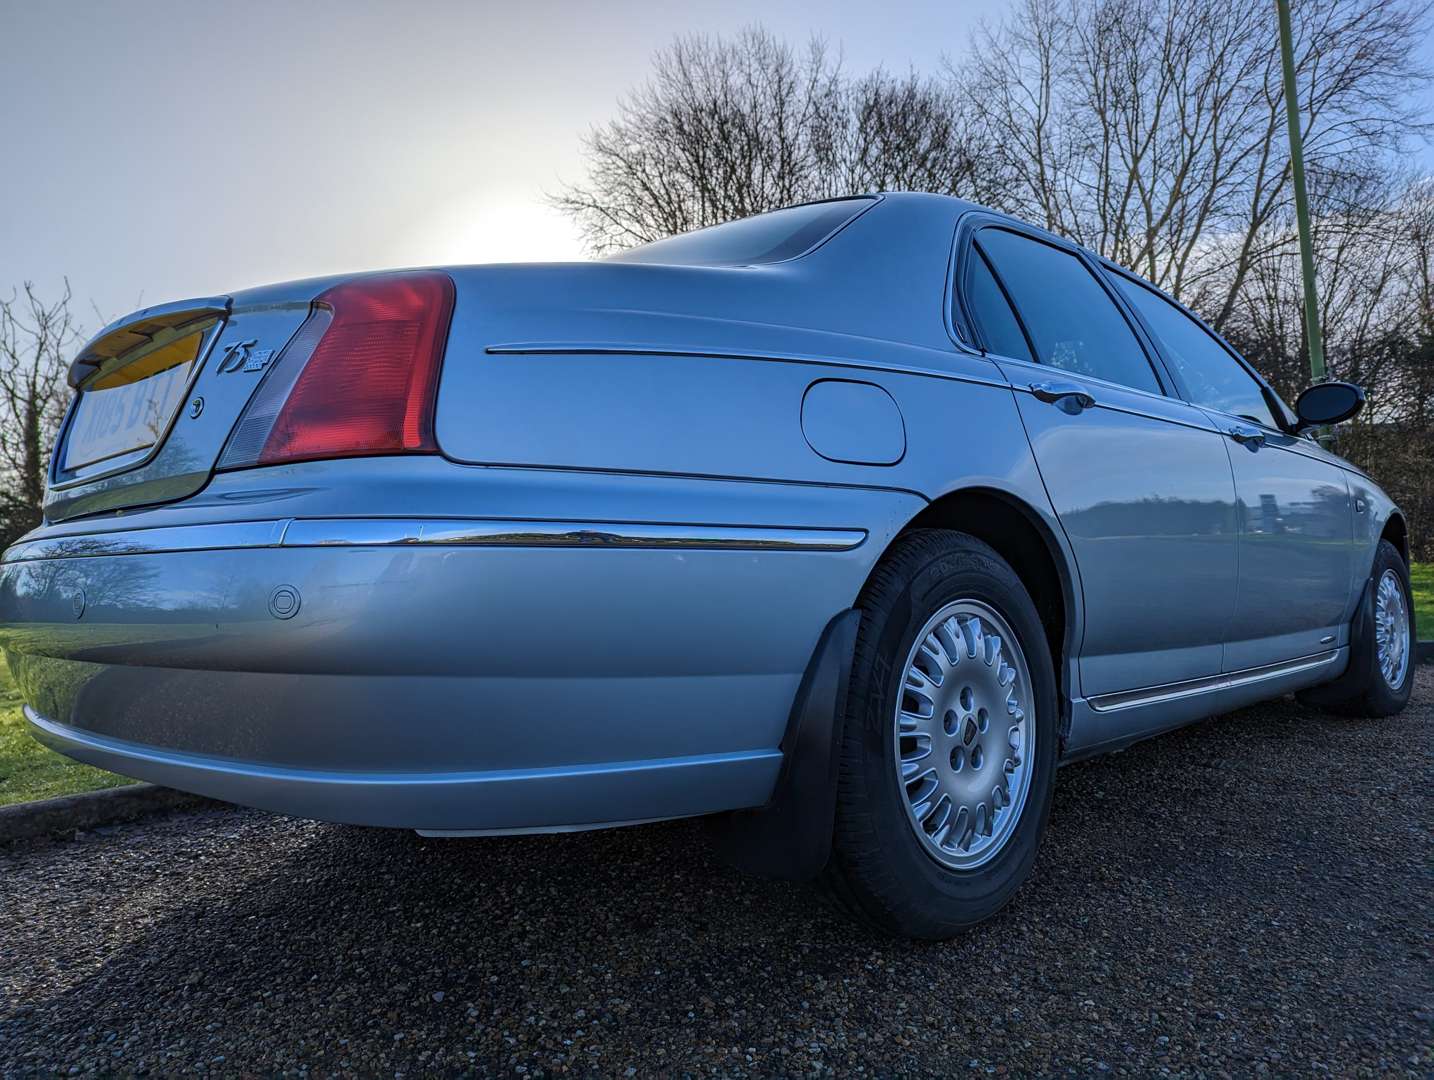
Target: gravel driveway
pixel 1250 895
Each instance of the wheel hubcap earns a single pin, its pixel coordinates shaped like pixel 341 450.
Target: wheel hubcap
pixel 1391 629
pixel 963 734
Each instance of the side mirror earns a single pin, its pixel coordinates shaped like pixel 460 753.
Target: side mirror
pixel 1328 403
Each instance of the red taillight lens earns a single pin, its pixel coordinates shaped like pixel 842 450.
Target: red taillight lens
pixel 369 384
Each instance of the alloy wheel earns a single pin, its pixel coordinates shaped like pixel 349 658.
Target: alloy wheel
pixel 1391 629
pixel 963 734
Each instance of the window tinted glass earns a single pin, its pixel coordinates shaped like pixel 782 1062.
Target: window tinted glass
pixel 1072 321
pixel 993 314
pixel 1211 376
pixel 765 238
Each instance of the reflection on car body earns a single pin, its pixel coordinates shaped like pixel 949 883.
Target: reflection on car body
pixel 845 524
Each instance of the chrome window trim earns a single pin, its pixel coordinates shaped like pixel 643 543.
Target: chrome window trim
pixel 1116 270
pixel 434 532
pixel 1130 699
pixel 1021 371
pixel 972 222
pixel 1165 385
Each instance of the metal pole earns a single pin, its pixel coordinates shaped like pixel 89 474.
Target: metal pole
pixel 1302 205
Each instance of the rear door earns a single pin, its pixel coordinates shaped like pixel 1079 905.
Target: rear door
pixel 1140 480
pixel 1296 518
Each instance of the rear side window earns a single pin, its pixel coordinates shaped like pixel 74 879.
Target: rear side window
pixel 765 238
pixel 992 312
pixel 1072 321
pixel 1211 376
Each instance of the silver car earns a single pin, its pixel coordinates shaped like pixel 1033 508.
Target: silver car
pixel 844 524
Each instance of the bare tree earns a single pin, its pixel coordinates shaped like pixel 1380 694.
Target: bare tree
pixel 727 128
pixel 35 337
pixel 1374 242
pixel 1154 130
pixel 1364 273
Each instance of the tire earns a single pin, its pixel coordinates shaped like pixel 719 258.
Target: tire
pixel 1365 689
pixel 881 869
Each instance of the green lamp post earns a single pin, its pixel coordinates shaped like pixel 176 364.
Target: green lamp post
pixel 1302 206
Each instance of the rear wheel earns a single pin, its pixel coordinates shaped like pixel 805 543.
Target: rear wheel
pixel 1380 677
pixel 948 754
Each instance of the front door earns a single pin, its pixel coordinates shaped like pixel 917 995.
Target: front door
pixel 1296 550
pixel 1296 518
pixel 1140 480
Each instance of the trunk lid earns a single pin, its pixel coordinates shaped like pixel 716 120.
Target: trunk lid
pixel 158 393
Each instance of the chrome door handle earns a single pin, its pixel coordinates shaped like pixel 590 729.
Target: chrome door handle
pixel 1252 437
pixel 1067 396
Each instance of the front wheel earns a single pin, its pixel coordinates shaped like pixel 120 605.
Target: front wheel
pixel 948 754
pixel 1380 677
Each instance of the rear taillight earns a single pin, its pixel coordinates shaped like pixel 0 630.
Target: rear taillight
pixel 359 377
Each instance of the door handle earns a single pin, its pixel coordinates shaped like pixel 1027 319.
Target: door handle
pixel 1067 396
pixel 1252 437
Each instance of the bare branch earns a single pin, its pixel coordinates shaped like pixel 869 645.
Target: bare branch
pixel 35 338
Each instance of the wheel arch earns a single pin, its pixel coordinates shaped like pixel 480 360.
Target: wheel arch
pixel 1396 531
pixel 791 836
pixel 1020 535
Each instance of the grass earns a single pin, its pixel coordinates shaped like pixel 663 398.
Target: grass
pixel 1422 575
pixel 30 771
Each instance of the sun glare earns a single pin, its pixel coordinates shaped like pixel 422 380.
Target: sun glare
pixel 482 230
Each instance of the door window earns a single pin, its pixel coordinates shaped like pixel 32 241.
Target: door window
pixel 1209 374
pixel 1072 321
pixel 992 312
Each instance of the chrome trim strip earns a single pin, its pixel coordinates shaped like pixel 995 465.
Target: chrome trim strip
pixel 238 534
pixel 346 532
pixel 445 532
pixel 469 532
pixel 1130 699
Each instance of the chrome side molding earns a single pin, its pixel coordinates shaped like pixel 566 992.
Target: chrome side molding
pixel 469 532
pixel 450 532
pixel 1151 695
pixel 238 534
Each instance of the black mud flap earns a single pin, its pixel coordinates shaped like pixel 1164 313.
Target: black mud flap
pixel 791 837
pixel 1361 658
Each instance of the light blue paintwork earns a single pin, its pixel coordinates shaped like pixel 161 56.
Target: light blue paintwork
pixel 854 422
pixel 1142 487
pixel 1297 549
pixel 657 485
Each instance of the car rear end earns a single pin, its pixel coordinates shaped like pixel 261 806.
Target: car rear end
pixel 260 579
pixel 292 373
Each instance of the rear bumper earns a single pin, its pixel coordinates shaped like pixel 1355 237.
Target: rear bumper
pixel 445 674
pixel 498 800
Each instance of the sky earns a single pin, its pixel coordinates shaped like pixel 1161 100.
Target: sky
pixel 163 150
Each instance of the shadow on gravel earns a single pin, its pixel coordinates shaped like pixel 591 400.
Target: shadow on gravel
pixel 1210 900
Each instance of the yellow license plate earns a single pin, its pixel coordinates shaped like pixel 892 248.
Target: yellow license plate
pixel 128 410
